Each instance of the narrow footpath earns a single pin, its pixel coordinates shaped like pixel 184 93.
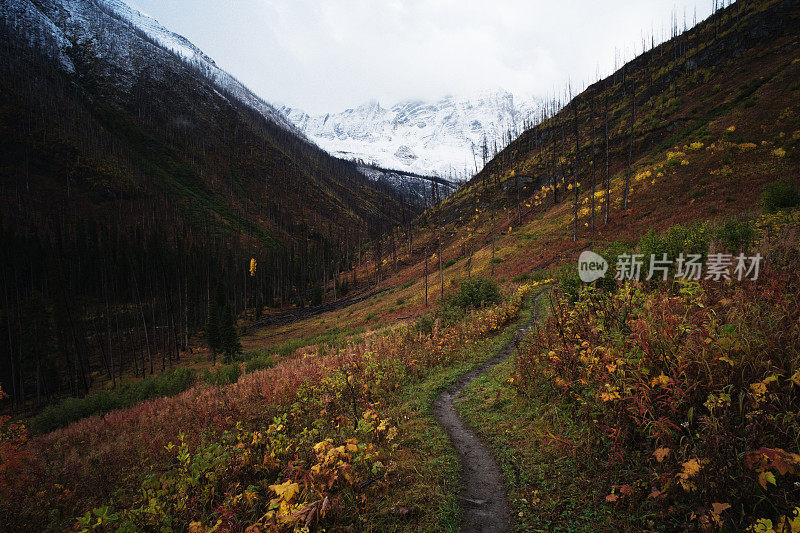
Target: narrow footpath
pixel 483 492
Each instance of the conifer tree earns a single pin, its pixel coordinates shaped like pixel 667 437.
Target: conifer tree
pixel 212 333
pixel 229 338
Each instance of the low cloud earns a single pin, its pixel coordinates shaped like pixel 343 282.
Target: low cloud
pixel 329 55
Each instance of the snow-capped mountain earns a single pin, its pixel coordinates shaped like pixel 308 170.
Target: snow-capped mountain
pixel 442 138
pixel 123 37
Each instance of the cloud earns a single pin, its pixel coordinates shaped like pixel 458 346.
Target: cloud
pixel 326 55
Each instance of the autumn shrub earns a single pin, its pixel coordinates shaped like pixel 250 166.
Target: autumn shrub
pixel 778 196
pixel 449 313
pixel 71 409
pixel 313 465
pixel 13 437
pixel 424 324
pixel 693 394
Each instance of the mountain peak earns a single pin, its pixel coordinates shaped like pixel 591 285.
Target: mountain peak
pixel 438 137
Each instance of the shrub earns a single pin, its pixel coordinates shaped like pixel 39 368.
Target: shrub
pixel 472 294
pixel 449 313
pixel 475 293
pixel 678 239
pixel 570 283
pixel 521 278
pixel 610 253
pixel 736 236
pixel 424 324
pixel 691 395
pixel 71 409
pixel 260 362
pixel 224 375
pixel 779 196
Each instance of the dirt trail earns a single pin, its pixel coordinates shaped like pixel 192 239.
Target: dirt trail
pixel 483 502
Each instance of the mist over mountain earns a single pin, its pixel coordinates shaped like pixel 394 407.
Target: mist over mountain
pixel 442 138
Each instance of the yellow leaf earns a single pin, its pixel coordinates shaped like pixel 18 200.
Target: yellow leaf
pixel 794 522
pixel 250 497
pixel 320 447
pixel 690 468
pixel 766 477
pixel 661 453
pixel 286 490
pixel 661 380
pixel 763 525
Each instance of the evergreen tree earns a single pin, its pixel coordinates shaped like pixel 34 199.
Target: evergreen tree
pixel 213 333
pixel 229 339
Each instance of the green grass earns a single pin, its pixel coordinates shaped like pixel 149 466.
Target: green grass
pixel 550 489
pixel 224 375
pixel 407 284
pixel 259 362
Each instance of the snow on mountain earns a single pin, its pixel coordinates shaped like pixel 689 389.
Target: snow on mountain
pixel 127 39
pixel 37 28
pixel 442 138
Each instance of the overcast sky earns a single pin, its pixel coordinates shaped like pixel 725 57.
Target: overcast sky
pixel 328 55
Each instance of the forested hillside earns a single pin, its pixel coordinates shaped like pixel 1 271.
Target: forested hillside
pixel 132 185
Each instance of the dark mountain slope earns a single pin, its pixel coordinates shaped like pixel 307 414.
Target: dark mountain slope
pixel 134 181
